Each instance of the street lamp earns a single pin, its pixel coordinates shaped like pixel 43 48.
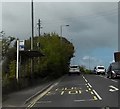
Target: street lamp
pixel 61 32
pixel 61 29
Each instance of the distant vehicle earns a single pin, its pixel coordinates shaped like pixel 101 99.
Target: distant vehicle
pixel 74 69
pixel 99 70
pixel 113 70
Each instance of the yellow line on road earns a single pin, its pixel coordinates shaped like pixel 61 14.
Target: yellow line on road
pixel 89 88
pixel 91 92
pixel 56 89
pixel 95 98
pixel 62 92
pixel 80 91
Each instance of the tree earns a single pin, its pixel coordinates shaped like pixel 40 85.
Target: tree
pixel 6 41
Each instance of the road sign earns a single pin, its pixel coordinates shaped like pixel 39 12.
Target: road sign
pixel 21 45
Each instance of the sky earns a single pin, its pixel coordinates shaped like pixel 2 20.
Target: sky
pixel 93 26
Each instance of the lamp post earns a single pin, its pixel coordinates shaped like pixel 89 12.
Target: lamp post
pixel 61 30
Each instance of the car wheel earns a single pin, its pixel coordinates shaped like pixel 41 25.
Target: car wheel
pixel 104 73
pixel 98 73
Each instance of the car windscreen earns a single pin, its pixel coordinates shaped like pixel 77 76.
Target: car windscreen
pixel 116 66
pixel 73 66
pixel 101 68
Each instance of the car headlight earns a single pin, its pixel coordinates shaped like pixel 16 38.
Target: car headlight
pixel 113 72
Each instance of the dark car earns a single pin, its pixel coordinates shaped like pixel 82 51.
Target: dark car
pixel 113 70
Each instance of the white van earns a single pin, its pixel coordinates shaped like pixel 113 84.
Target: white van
pixel 100 70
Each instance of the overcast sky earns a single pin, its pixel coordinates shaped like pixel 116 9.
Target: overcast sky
pixel 93 26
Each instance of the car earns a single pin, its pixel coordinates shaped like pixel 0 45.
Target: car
pixel 74 69
pixel 113 70
pixel 99 70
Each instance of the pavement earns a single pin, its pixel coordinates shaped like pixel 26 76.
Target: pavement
pixel 21 98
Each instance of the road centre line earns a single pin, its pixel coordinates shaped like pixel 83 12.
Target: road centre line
pixel 97 95
pixel 94 91
pixel 89 85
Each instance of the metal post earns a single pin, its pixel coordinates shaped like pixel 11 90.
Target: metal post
pixel 61 26
pixel 17 67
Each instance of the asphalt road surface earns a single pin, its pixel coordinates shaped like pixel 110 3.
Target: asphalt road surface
pixel 80 91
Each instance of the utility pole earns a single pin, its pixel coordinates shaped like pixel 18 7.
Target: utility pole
pixel 39 27
pixel 32 18
pixel 32 37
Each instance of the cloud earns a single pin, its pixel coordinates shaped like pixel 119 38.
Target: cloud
pixel 91 62
pixel 92 25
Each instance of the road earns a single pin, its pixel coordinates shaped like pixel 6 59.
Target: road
pixel 80 91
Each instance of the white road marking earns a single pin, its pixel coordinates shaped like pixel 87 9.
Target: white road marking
pixel 113 88
pixel 93 90
pixel 97 95
pixel 114 80
pixel 73 92
pixel 44 102
pixel 32 103
pixel 62 92
pixel 84 100
pixel 56 89
pixel 80 91
pixel 86 80
pixel 62 88
pixel 107 78
pixel 89 85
